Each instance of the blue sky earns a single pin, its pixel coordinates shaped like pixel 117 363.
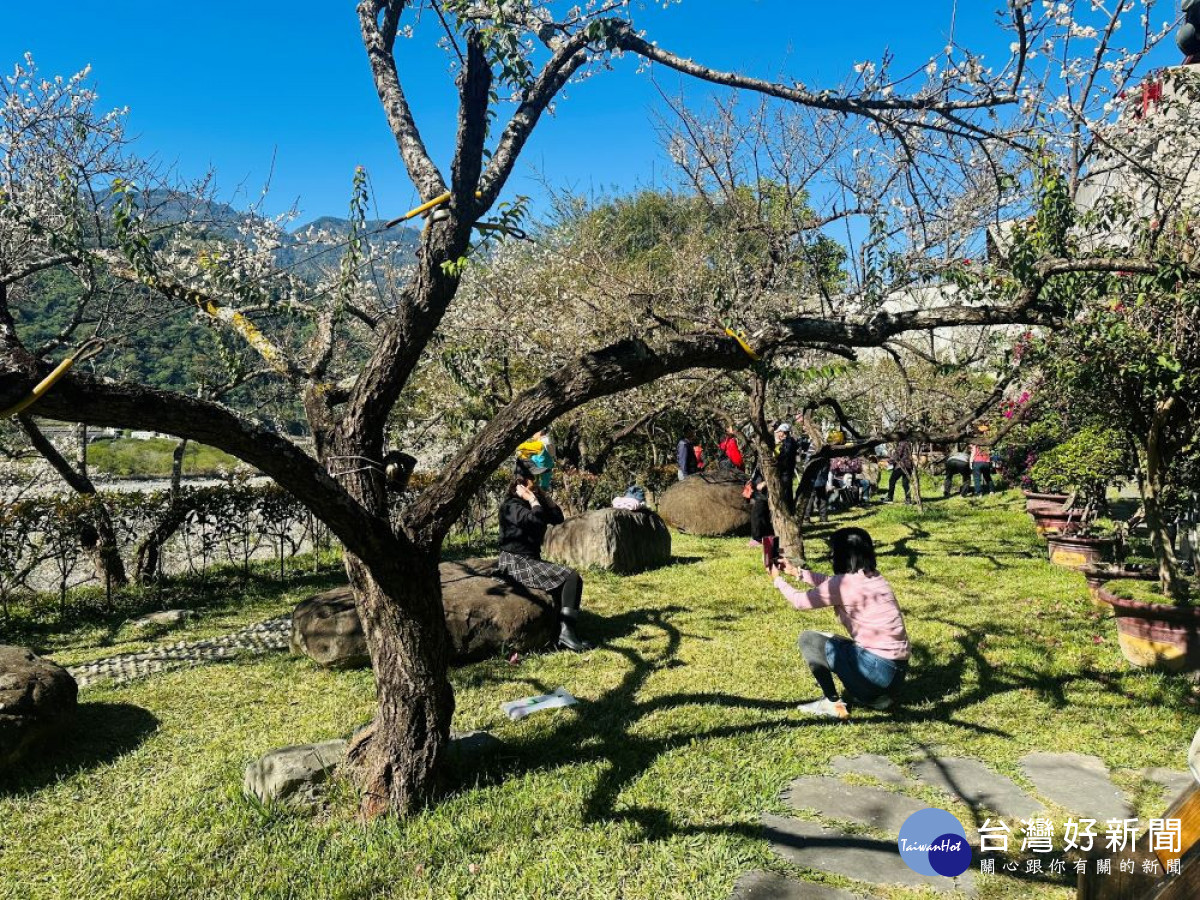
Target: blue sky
pixel 238 85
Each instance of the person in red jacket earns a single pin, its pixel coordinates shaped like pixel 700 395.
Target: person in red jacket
pixel 729 446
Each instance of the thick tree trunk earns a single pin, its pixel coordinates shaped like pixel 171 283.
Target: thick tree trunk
pixel 398 758
pixel 1172 582
pixel 787 525
pixel 398 593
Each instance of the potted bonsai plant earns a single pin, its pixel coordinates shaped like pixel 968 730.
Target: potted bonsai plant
pixel 1082 468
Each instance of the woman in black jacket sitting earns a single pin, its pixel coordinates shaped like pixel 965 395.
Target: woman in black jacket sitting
pixel 526 512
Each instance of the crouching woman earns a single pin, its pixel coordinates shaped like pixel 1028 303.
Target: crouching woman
pixel 525 514
pixel 873 662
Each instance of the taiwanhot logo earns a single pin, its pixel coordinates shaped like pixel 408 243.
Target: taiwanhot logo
pixel 933 842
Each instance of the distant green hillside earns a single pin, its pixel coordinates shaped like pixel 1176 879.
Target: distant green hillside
pixel 126 457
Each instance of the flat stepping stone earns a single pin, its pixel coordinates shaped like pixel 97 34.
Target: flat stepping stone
pixel 1174 782
pixel 872 765
pixel 978 786
pixel 1077 783
pixel 811 846
pixel 834 799
pixel 769 886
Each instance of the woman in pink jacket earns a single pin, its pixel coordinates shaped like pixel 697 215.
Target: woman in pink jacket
pixel 872 664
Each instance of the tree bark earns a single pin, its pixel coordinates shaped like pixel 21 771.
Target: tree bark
pixel 786 525
pixel 1172 583
pixel 397 759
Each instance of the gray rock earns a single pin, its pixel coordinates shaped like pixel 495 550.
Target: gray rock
pixel 1077 783
pixel 872 765
pixel 707 505
pixel 167 618
pixel 834 799
pixel 326 629
pixel 618 540
pixel 978 786
pixel 485 614
pixel 1174 783
pixel 769 886
pixel 37 700
pixel 293 774
pixel 469 744
pixel 811 846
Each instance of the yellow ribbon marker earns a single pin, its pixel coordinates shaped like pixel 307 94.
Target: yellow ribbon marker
pixel 87 350
pixel 423 208
pixel 740 337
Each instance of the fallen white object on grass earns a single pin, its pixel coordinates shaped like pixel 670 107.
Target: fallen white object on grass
pixel 519 709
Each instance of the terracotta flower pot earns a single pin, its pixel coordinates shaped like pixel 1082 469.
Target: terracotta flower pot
pixel 1048 502
pixel 1101 573
pixel 1049 521
pixel 1157 635
pixel 1077 552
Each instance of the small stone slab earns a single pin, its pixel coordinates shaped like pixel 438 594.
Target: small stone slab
pixel 809 845
pixel 769 886
pixel 293 774
pixel 834 799
pixel 1174 782
pixel 872 765
pixel 978 786
pixel 167 618
pixel 1078 783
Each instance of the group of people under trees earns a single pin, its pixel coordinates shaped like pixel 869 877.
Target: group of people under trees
pixel 824 479
pixel 871 664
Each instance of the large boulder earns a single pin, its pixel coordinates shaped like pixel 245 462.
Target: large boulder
pixel 620 540
pixel 326 629
pixel 484 615
pixel 37 699
pixel 709 505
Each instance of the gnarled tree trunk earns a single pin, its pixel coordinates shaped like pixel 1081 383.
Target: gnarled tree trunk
pixel 397 758
pixel 786 525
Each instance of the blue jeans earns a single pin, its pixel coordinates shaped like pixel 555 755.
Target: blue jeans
pixel 981 475
pixel 865 675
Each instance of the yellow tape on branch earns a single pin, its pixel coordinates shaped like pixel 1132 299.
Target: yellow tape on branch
pixel 87 350
pixel 740 337
pixel 423 208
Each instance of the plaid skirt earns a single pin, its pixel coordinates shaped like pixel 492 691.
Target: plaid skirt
pixel 533 573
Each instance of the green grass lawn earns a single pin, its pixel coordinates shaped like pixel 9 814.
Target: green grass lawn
pixel 651 788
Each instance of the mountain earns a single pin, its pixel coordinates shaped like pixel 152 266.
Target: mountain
pixel 307 248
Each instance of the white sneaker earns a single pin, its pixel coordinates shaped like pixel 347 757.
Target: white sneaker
pixel 829 709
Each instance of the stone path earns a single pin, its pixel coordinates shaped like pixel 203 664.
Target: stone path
pixel 262 637
pixel 1074 782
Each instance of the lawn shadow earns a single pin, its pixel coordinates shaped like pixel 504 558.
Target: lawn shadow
pixel 605 729
pixel 99 733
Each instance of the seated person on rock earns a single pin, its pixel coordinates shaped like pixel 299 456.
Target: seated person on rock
pixel 526 512
pixel 871 665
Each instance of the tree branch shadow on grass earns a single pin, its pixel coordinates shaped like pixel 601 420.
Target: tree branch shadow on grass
pixel 604 730
pixel 99 733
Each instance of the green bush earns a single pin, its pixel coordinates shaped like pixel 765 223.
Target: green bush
pixel 1085 463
